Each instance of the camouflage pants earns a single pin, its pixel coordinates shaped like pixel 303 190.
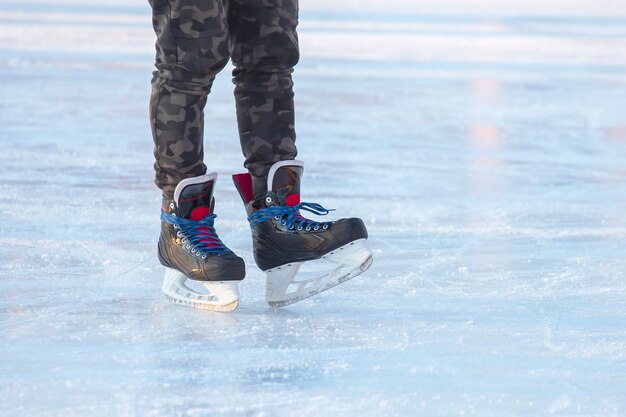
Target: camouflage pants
pixel 195 40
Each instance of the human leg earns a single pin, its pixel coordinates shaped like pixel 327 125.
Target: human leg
pixel 192 47
pixel 264 51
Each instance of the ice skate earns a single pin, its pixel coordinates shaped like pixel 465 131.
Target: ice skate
pixel 284 241
pixel 194 257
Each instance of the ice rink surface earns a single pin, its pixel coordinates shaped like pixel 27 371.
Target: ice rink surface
pixel 483 142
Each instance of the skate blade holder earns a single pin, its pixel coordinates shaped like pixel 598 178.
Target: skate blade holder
pixel 219 295
pixel 293 282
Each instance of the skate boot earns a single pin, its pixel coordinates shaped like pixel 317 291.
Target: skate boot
pixel 284 240
pixel 190 249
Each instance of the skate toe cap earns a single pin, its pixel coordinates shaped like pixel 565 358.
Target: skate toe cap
pixel 350 229
pixel 222 267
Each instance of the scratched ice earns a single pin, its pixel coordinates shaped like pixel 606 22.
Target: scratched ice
pixel 483 142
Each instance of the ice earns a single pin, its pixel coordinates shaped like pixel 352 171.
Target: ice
pixel 483 142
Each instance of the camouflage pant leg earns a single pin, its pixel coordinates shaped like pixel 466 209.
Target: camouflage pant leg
pixel 264 51
pixel 192 47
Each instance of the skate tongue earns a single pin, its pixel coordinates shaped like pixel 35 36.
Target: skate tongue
pixel 284 181
pixel 194 196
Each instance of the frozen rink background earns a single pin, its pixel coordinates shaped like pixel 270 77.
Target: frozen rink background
pixel 483 142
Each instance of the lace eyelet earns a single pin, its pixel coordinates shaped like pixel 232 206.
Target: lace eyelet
pixel 187 246
pixel 292 227
pixel 317 227
pixel 300 228
pixel 179 233
pixel 276 218
pixel 268 199
pixel 308 228
pixel 325 226
pixel 204 256
pixel 172 206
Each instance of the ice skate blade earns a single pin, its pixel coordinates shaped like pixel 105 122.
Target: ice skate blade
pixel 222 296
pixel 283 289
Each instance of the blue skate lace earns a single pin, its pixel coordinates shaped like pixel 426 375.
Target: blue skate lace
pixel 289 216
pixel 198 235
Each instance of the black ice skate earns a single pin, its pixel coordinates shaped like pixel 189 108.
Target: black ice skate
pixel 283 240
pixel 190 249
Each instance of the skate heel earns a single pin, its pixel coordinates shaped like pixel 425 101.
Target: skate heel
pixel 220 295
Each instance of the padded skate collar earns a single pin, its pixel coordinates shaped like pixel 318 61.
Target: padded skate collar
pixel 194 196
pixel 278 165
pixel 284 181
